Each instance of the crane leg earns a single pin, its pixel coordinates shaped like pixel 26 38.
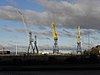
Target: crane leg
pixel 32 48
pixel 28 48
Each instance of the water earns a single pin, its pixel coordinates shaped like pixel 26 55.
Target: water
pixel 55 72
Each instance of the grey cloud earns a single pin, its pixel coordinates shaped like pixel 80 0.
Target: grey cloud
pixel 22 30
pixel 88 44
pixel 66 31
pixel 40 34
pixel 83 12
pixel 98 31
pixel 31 17
pixel 42 27
pixel 94 37
pixel 46 34
pixel 45 38
pixel 69 34
pixel 7 29
pixel 9 13
pixel 85 32
pixel 66 15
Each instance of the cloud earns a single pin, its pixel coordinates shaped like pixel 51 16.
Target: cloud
pixel 85 13
pixel 90 33
pixel 45 38
pixel 22 30
pixel 9 13
pixel 87 45
pixel 94 37
pixel 7 29
pixel 85 32
pixel 69 34
pixel 66 15
pixel 41 34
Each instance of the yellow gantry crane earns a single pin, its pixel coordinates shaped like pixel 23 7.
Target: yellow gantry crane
pixel 55 48
pixel 78 41
pixel 78 38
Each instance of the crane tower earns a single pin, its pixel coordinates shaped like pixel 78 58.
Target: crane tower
pixel 31 45
pixel 35 45
pixel 55 47
pixel 30 42
pixel 78 41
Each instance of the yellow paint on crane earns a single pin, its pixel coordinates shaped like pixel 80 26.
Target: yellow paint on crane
pixel 78 38
pixel 54 31
pixel 55 35
pixel 52 25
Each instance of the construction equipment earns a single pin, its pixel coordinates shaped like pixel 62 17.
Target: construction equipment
pixel 55 47
pixel 79 41
pixel 30 42
pixel 31 45
pixel 35 45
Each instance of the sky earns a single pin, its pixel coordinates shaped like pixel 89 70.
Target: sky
pixel 38 15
